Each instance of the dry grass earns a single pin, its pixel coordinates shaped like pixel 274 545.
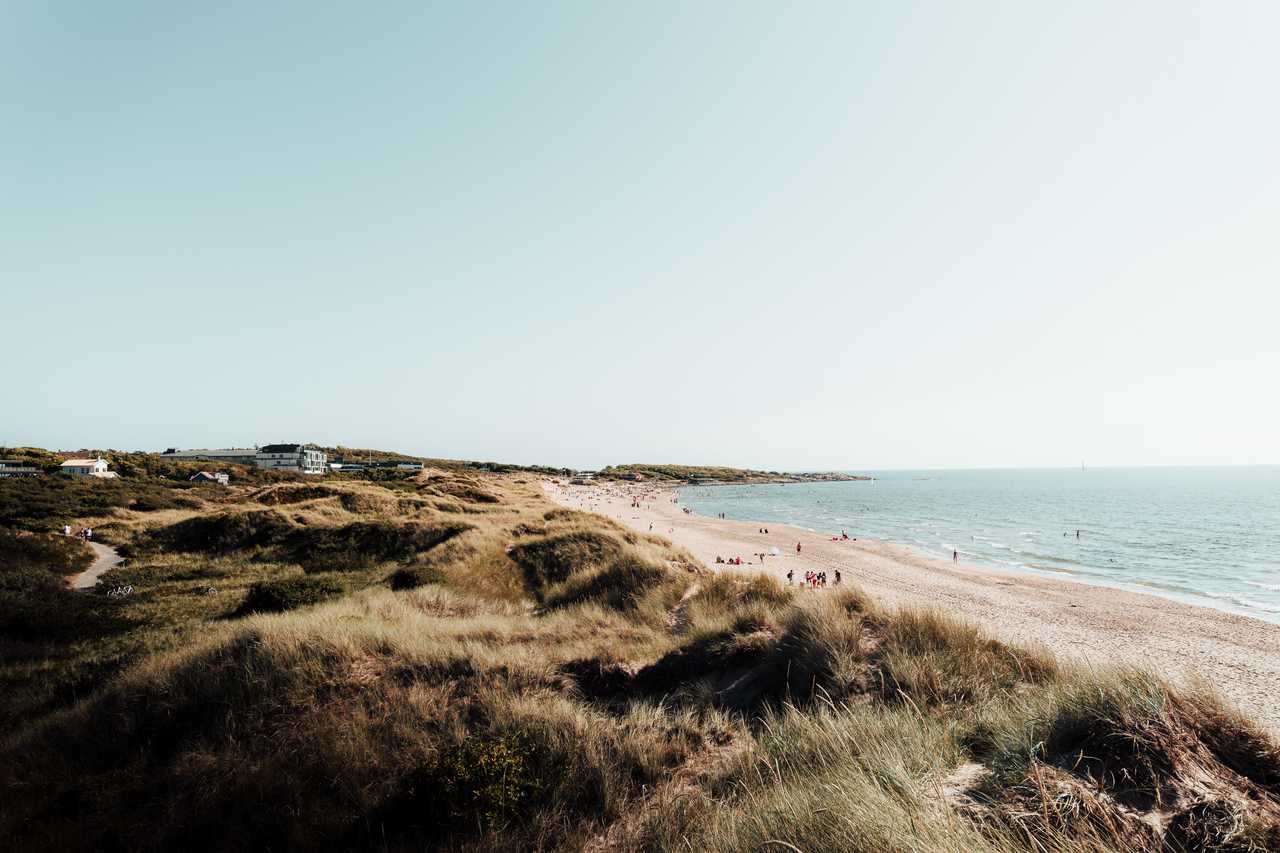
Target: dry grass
pixel 554 681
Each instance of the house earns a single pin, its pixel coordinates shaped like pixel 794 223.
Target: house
pixel 291 457
pixel 17 468
pixel 226 455
pixel 86 468
pixel 219 477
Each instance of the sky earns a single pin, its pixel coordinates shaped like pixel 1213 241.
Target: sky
pixel 790 236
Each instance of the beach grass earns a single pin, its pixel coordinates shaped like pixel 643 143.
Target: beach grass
pixel 544 679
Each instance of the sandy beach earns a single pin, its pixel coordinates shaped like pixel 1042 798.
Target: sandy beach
pixel 1238 655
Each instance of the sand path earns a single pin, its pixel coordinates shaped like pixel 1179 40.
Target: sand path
pixel 1238 655
pixel 105 559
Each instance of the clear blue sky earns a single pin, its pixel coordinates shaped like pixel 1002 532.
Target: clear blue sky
pixel 850 235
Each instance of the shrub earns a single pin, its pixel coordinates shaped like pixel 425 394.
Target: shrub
pixel 551 559
pixel 364 544
pixel 288 594
pixel 42 503
pixel 487 778
pixel 56 555
pixel 620 586
pixel 415 576
pixel 223 533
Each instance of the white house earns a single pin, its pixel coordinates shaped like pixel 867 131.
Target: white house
pixel 291 457
pixel 86 468
pixel 219 477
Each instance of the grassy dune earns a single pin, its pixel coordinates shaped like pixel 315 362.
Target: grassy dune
pixel 450 662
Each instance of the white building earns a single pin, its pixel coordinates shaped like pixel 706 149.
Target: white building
pixel 86 468
pixel 291 457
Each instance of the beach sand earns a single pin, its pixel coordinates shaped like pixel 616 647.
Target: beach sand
pixel 1238 655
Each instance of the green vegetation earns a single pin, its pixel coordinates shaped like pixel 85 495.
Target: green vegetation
pixel 713 474
pixel 288 594
pixel 446 661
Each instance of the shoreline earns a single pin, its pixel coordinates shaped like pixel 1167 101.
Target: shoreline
pixel 978 565
pixel 1089 623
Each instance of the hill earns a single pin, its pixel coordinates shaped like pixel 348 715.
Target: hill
pixel 445 660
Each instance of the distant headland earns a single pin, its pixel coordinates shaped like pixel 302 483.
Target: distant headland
pixel 709 475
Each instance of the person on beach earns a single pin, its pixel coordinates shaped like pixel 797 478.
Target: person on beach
pixel 797 547
pixel 955 556
pixel 790 574
pixel 837 577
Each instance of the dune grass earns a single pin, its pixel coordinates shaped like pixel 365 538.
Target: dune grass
pixel 542 679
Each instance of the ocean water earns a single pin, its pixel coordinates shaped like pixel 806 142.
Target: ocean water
pixel 1208 536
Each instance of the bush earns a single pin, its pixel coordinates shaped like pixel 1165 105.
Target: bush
pixel 415 576
pixel 487 779
pixel 621 586
pixel 551 559
pixel 289 594
pixel 57 555
pixel 223 533
pixel 364 544
pixel 43 503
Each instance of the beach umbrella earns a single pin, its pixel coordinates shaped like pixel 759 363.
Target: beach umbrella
pixel 774 550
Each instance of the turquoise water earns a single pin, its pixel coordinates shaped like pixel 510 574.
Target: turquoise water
pixel 1209 536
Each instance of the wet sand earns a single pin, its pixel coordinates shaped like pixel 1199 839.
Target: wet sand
pixel 1238 655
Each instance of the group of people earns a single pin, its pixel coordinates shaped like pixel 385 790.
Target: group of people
pixel 732 561
pixel 85 533
pixel 812 579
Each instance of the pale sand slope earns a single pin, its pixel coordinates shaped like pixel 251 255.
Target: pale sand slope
pixel 1237 654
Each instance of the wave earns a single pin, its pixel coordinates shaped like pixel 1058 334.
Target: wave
pixel 1057 570
pixel 1254 605
pixel 1052 557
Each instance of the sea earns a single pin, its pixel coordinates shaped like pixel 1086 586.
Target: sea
pixel 1203 535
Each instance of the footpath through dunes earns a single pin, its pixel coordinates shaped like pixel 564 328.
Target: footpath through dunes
pixel 1240 656
pixel 105 559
